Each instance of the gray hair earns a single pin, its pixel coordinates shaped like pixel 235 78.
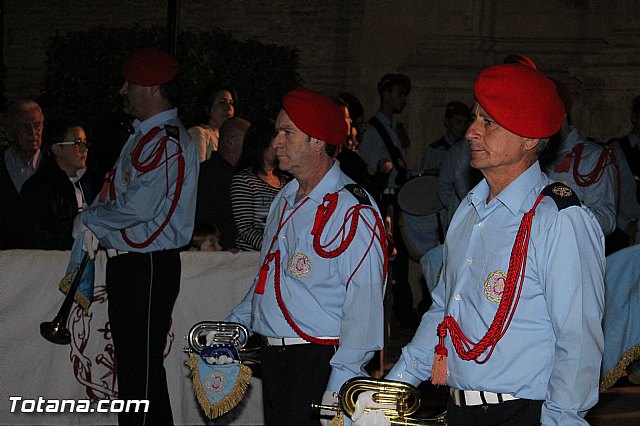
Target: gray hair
pixel 542 145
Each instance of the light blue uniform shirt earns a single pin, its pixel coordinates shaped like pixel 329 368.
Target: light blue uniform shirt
pixel 315 295
pixel 373 149
pixel 141 203
pixel 553 347
pixel 600 197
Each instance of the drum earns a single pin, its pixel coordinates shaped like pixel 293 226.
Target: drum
pixel 420 211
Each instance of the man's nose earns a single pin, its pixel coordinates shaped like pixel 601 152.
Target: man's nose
pixel 472 131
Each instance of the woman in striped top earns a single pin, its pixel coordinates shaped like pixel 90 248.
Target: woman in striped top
pixel 255 185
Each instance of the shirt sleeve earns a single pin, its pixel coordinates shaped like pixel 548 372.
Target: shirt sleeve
pixel 371 148
pixel 415 362
pixel 144 200
pixel 242 198
pixel 242 311
pixel 574 292
pixel 362 323
pixel 601 198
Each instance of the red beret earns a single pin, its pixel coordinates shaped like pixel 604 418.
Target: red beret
pixel 389 80
pixel 564 93
pixel 520 99
pixel 455 107
pixel 149 66
pixel 316 115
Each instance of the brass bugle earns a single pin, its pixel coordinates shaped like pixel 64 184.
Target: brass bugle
pixel 403 397
pixel 56 331
pixel 232 333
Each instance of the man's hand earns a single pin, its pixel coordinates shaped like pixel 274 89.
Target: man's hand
pixel 328 398
pixel 90 243
pixel 372 417
pixel 385 165
pixel 78 227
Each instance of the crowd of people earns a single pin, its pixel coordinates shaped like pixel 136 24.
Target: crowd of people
pixel 528 200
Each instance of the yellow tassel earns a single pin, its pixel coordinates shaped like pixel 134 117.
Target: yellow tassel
pixel 227 403
pixel 610 377
pixel 80 299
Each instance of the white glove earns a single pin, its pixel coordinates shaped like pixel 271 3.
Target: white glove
pixel 90 243
pixel 78 227
pixel 371 417
pixel 210 338
pixel 328 398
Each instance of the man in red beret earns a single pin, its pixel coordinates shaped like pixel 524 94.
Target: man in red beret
pixel 384 148
pixel 515 325
pixel 143 215
pixel 317 299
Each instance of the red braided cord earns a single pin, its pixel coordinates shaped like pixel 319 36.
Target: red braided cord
pixel 152 162
pixel 466 348
pixel 322 216
pixel 594 175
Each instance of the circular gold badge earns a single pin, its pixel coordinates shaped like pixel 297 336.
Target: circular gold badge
pixel 494 285
pixel 300 265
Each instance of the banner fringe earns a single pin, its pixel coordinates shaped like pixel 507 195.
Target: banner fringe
pixel 227 403
pixel 610 377
pixel 79 298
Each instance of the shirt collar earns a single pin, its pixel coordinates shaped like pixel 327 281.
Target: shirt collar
pixel 12 154
pixel 331 182
pixel 156 120
pixel 514 195
pixel 634 140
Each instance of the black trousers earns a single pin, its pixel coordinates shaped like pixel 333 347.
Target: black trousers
pixel 292 378
pixel 518 412
pixel 142 289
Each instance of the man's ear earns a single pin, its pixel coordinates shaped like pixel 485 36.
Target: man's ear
pixel 318 145
pixel 530 143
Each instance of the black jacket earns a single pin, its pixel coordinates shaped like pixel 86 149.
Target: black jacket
pixel 48 206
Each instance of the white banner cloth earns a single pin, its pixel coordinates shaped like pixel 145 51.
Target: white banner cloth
pixel 212 283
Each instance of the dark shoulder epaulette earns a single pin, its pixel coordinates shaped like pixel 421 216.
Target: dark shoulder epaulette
pixel 562 195
pixel 358 192
pixel 172 131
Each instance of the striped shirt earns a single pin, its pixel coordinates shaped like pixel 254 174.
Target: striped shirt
pixel 251 198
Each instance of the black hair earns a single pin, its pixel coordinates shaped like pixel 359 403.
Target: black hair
pixel 256 141
pixel 206 97
pixel 56 130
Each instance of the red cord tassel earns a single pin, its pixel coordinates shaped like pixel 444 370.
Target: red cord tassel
pixel 439 369
pixel 262 280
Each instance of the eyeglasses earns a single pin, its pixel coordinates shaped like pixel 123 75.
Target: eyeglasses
pixel 79 143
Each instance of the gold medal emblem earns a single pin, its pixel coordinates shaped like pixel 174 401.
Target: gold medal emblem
pixel 494 286
pixel 300 265
pixel 562 191
pixel 126 177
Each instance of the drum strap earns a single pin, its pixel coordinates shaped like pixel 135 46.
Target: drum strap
pixel 394 152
